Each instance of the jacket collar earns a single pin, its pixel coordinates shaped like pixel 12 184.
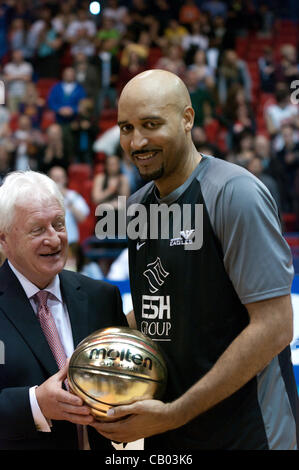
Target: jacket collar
pixel 16 306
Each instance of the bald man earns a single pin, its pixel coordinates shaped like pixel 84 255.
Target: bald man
pixel 219 310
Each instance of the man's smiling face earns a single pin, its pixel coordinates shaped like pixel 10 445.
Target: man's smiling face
pixel 152 125
pixel 37 243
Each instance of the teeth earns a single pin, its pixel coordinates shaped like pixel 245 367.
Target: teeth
pixel 145 157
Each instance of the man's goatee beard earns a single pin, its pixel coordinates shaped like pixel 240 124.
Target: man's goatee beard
pixel 153 176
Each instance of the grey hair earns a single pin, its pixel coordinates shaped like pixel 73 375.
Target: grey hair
pixel 18 186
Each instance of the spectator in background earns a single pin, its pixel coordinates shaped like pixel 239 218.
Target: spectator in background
pixel 135 65
pixel 195 39
pixel 87 75
pixel 282 111
pixel 107 66
pixel 262 148
pixel 111 184
pixel 255 166
pixel 63 17
pixel 108 32
pixel 17 37
pixel 17 74
pixel 49 46
pixel 217 40
pixel 139 18
pixel 141 47
pixel 65 96
pixel 6 162
pixel 5 130
pixel 5 15
pixel 139 10
pixel 162 10
pixel 43 15
pixel 215 8
pixel 199 136
pixel 238 114
pixel 244 121
pixel 266 18
pixel 172 60
pixel 81 33
pixel 109 193
pixel 54 153
pixel 205 73
pixel 202 100
pixel 231 71
pixel 266 65
pixel 205 24
pixel 27 143
pixel 202 144
pixel 174 32
pixel 288 158
pixel 76 208
pixel 32 105
pixel 287 69
pixel 116 12
pixel 84 129
pixel 244 148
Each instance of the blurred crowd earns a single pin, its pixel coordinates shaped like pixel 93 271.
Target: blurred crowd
pixel 64 68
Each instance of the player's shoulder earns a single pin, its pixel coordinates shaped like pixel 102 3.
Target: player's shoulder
pixel 220 175
pixel 222 171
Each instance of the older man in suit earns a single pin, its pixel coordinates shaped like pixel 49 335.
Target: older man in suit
pixel 36 409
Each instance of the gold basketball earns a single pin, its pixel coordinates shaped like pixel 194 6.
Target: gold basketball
pixel 116 366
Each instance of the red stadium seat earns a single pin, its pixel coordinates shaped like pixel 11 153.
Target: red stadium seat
pixel 100 157
pixel 14 120
pixel 85 190
pixel 86 228
pixel 154 55
pixel 44 85
pixel 48 118
pixel 98 168
pixel 78 173
pixel 108 119
pixel 289 222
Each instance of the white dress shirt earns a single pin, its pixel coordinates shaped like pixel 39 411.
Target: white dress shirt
pixel 63 325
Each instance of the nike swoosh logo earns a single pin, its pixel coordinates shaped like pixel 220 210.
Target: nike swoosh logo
pixel 139 245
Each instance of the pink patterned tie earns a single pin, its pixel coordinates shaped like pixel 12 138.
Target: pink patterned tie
pixel 48 325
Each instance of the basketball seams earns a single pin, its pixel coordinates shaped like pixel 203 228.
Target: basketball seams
pixel 144 378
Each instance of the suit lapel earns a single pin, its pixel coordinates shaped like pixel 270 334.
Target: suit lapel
pixel 77 305
pixel 16 306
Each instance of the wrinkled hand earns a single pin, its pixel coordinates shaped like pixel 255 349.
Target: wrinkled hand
pixel 56 403
pixel 136 421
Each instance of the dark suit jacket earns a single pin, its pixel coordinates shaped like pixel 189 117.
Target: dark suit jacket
pixel 28 359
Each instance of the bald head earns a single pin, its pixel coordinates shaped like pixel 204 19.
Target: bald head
pixel 156 117
pixel 162 86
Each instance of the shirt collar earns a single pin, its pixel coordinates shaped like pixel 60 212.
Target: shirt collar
pixel 31 289
pixel 176 193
